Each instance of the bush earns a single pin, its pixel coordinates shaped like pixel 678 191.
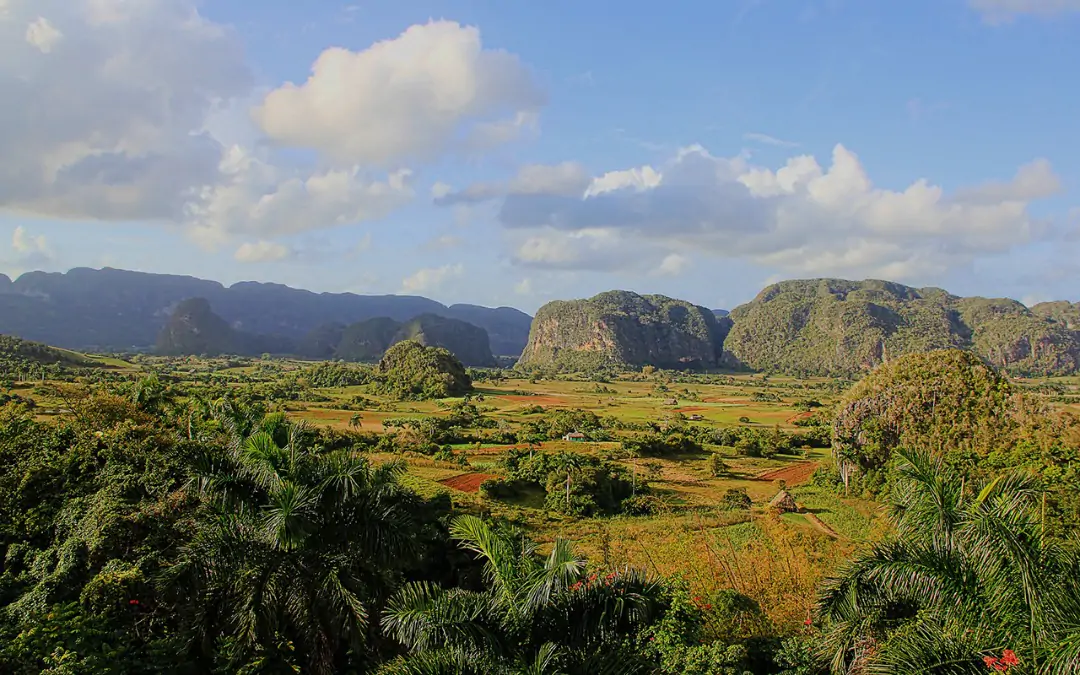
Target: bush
pixel 643 505
pixel 744 420
pixel 717 466
pixel 736 499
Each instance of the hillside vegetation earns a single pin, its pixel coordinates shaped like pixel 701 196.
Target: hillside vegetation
pixel 624 329
pixel 842 328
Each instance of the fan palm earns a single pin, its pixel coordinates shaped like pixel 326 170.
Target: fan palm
pixel 539 614
pixel 969 574
pixel 297 546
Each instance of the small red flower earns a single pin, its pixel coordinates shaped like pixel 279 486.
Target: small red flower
pixel 133 602
pixel 1008 657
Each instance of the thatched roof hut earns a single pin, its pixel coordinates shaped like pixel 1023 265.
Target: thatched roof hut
pixel 784 502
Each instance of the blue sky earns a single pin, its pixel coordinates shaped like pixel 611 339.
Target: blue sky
pixel 512 153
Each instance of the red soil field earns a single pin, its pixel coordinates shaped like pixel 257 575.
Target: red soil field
pixel 798 416
pixel 792 475
pixel 467 482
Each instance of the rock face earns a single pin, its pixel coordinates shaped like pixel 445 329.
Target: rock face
pixel 619 329
pixel 838 327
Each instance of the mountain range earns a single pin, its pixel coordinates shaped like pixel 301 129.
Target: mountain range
pixel 117 310
pixel 814 327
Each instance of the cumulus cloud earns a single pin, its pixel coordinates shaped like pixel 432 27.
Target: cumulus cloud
pixel 254 196
pixel 672 265
pixel 104 122
pixel 412 97
pixel 430 278
pixel 568 178
pixel 29 252
pixel 43 35
pixel 801 218
pixel 114 110
pixel 1004 10
pixel 261 251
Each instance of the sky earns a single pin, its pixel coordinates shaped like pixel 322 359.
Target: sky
pixel 511 153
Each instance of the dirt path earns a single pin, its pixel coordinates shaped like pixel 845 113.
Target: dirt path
pixel 467 482
pixel 820 524
pixel 796 474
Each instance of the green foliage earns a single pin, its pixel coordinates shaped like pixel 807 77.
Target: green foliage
pixel 717 466
pixel 411 371
pixel 535 613
pixel 660 445
pixel 969 573
pixel 681 642
pixel 945 402
pixel 575 484
pixel 736 499
pixel 835 327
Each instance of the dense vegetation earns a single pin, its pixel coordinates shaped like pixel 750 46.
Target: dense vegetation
pixel 410 370
pixel 180 515
pixel 837 327
pixel 620 329
pixel 957 408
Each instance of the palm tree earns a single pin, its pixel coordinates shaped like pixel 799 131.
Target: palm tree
pixel 355 421
pixel 539 614
pixel 297 547
pixel 969 574
pixel 569 462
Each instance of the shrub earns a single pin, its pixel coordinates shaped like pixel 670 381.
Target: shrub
pixel 717 466
pixel 736 499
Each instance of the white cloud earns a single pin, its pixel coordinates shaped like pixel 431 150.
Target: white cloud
pixel 524 287
pixel 137 110
pixel 107 127
pixel 766 139
pixel 640 179
pixel 431 278
pixel 43 35
pixel 26 244
pixel 567 178
pixel 262 251
pixel 256 197
pixel 801 218
pixel 1005 10
pixel 30 252
pixel 403 99
pixel 672 265
pixel 440 189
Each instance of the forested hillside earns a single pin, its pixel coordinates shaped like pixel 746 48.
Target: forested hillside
pixel 837 327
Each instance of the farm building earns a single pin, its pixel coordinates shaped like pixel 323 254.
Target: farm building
pixel 696 418
pixel 575 436
pixel 672 401
pixel 784 503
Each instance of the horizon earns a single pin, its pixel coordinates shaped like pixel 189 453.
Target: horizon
pixel 474 153
pixel 531 312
